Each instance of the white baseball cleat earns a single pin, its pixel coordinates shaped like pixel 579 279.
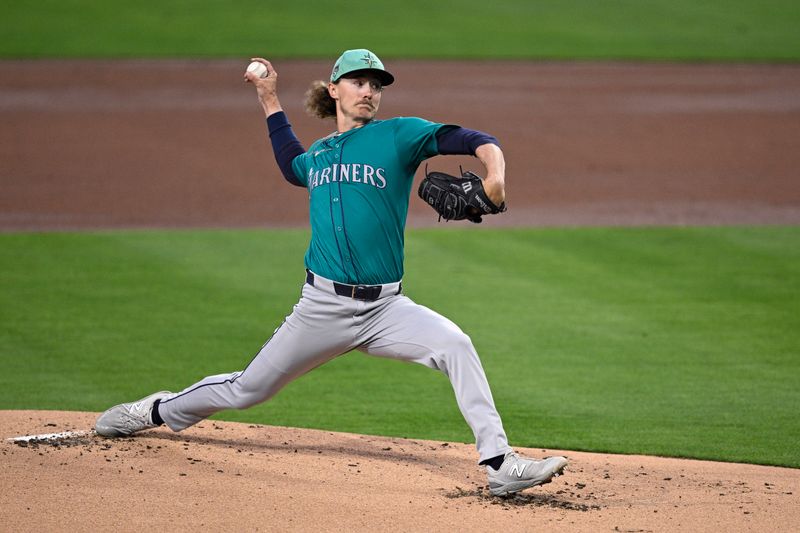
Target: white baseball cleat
pixel 517 473
pixel 126 419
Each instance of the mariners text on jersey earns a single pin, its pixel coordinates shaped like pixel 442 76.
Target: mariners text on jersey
pixel 347 172
pixel 359 184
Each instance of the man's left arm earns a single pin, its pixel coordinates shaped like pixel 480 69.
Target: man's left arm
pixel 495 182
pixel 463 141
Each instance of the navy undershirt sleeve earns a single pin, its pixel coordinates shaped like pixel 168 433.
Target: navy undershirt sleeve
pixel 462 141
pixel 285 145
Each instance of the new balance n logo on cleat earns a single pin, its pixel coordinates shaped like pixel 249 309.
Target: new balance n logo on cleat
pixel 518 469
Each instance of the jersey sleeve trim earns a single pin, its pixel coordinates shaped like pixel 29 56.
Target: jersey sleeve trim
pixel 285 145
pixel 455 140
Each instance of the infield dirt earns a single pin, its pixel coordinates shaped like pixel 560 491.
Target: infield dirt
pixel 96 144
pixel 101 144
pixel 224 476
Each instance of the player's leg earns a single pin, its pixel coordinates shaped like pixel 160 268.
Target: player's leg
pixel 402 329
pixel 316 331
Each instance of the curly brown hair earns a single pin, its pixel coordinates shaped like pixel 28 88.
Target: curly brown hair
pixel 318 102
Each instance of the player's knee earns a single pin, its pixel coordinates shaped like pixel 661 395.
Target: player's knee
pixel 247 394
pixel 455 351
pixel 245 401
pixel 457 343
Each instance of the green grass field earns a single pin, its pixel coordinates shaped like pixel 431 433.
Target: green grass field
pixel 669 341
pixel 698 30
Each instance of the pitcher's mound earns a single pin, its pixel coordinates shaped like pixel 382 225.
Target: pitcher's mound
pixel 240 477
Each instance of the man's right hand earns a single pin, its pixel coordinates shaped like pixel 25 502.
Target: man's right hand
pixel 266 88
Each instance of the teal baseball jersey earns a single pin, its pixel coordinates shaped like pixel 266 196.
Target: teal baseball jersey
pixel 359 184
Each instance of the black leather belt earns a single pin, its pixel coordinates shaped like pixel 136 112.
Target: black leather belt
pixel 369 293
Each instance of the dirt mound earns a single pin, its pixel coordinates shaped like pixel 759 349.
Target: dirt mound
pixel 232 476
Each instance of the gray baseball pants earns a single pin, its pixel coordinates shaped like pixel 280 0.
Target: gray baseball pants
pixel 324 325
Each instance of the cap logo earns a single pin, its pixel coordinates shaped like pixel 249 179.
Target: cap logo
pixel 368 60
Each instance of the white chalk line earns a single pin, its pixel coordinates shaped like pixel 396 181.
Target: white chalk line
pixel 49 436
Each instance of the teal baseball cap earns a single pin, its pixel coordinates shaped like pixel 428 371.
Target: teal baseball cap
pixel 360 59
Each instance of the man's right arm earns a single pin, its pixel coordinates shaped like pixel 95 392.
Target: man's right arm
pixel 285 144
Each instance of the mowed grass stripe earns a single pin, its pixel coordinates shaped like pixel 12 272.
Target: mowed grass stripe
pixel 569 29
pixel 669 341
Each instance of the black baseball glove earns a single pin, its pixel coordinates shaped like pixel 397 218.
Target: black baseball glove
pixel 457 198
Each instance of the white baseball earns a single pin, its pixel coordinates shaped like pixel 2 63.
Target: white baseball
pixel 259 69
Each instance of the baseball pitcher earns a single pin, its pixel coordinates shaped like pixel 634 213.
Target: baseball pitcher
pixel 359 181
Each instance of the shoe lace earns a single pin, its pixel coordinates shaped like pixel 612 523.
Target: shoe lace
pixel 133 419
